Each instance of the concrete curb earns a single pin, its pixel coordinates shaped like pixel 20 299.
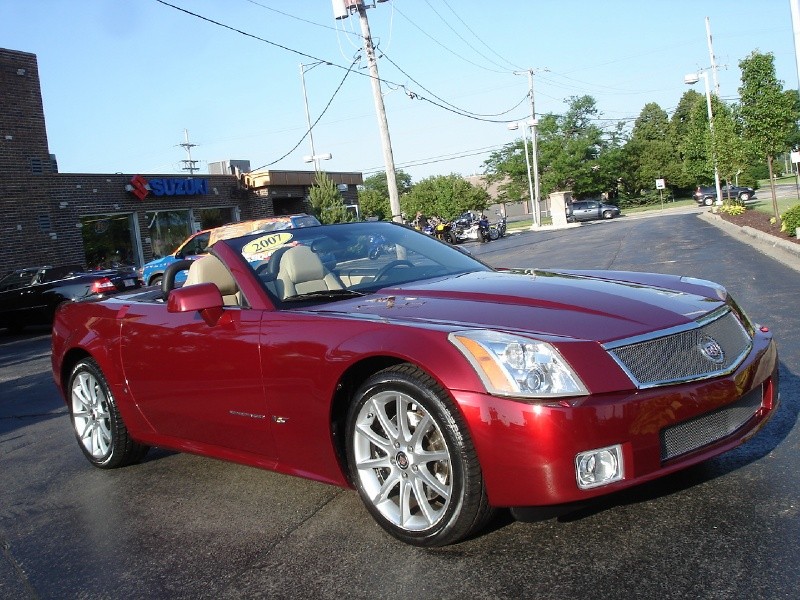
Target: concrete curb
pixel 782 250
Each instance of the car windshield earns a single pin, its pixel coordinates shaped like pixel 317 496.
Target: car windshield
pixel 330 262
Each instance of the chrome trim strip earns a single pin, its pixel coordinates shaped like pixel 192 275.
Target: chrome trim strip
pixel 654 335
pixel 701 322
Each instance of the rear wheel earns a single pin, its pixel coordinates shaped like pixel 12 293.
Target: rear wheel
pixel 156 280
pixel 412 460
pixel 708 201
pixel 101 433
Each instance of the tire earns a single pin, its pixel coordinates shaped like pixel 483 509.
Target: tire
pixel 156 280
pixel 98 425
pixel 607 214
pixel 708 201
pixel 419 478
pixel 744 197
pixel 494 234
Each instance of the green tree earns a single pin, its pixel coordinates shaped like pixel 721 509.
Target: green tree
pixel 508 167
pixel 373 204
pixel 445 196
pixel 768 114
pixel 326 201
pixel 378 183
pixel 570 147
pixel 730 150
pixel 651 150
pixel 373 196
pixel 685 130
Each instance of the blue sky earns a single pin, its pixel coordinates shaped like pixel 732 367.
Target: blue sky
pixel 122 79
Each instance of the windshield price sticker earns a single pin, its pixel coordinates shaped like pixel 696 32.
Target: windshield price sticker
pixel 266 244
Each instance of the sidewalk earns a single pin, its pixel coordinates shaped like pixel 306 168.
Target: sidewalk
pixel 781 250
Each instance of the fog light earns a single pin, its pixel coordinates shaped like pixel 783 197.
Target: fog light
pixel 599 467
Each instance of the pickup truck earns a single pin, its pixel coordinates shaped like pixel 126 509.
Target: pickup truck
pixel 586 210
pixel 707 195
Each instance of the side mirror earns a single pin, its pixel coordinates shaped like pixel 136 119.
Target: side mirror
pixel 203 297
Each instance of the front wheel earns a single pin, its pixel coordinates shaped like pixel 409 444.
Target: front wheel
pixel 412 460
pixel 98 425
pixel 744 197
pixel 607 214
pixel 708 201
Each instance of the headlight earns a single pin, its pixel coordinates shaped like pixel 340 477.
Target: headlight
pixel 512 365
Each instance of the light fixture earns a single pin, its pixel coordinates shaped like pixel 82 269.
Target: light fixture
pixel 317 157
pixel 602 466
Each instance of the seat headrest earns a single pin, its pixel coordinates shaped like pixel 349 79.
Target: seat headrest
pixel 300 264
pixel 209 269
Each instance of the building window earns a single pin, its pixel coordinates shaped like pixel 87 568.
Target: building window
pixel 45 225
pixel 36 166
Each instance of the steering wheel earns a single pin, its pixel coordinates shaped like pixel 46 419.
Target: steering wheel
pixel 391 265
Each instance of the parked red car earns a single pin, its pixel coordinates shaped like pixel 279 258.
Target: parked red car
pixel 436 386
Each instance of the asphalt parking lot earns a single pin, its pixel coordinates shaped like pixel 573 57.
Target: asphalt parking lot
pixel 181 526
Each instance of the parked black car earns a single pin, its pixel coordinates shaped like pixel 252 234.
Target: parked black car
pixel 31 295
pixel 586 210
pixel 707 195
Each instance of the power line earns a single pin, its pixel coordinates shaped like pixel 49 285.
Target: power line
pixel 314 124
pixel 411 94
pixel 459 36
pixel 439 158
pixel 438 43
pixel 492 50
pixel 291 16
pixel 455 109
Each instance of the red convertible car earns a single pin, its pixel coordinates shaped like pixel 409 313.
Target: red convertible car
pixel 436 386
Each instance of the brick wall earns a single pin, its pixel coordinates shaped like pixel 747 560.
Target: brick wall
pixel 41 209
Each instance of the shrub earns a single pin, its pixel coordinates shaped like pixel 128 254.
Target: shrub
pixel 790 220
pixel 732 209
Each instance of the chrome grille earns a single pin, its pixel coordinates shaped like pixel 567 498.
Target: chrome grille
pixel 709 428
pixel 684 355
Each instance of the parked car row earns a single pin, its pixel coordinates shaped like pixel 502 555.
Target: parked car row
pixel 30 296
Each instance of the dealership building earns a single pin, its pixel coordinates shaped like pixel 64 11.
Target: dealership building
pixel 101 220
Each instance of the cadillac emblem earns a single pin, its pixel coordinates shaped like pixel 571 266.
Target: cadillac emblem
pixel 710 348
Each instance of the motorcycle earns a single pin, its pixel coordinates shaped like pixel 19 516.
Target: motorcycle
pixel 444 232
pixel 378 245
pixel 498 230
pixel 477 230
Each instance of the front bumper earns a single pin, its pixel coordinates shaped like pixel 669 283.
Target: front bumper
pixel 527 451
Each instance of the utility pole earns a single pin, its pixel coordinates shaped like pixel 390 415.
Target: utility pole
pixel 536 200
pixel 712 57
pixel 188 164
pixel 380 109
pixel 341 10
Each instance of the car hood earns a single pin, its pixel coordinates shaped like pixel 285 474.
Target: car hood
pixel 601 306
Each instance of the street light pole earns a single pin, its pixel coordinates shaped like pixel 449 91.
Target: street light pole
pixel 308 117
pixel 522 126
pixel 691 79
pixel 535 199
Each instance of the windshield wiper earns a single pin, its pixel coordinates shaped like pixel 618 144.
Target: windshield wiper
pixel 333 294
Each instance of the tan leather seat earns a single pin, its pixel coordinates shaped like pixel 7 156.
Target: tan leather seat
pixel 209 269
pixel 301 271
